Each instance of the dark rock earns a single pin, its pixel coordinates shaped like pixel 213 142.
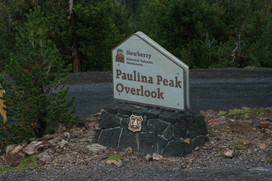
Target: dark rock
pixel 152 113
pixel 112 108
pixel 199 141
pixel 159 125
pixel 97 134
pixel 168 133
pixel 145 128
pixel 191 131
pixel 201 124
pixel 172 116
pixel 124 122
pixel 122 116
pixel 174 148
pixel 109 137
pixel 139 110
pixel 188 148
pixel 161 143
pixel 108 120
pixel 127 139
pixel 126 109
pixel 179 130
pixel 196 126
pixel 147 143
pixel 150 127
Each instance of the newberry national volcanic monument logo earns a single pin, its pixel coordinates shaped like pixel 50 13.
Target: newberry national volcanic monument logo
pixel 120 56
pixel 135 123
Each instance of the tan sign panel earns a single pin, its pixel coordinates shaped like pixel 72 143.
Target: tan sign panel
pixel 144 72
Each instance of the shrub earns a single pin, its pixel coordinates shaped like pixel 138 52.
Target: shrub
pixel 35 101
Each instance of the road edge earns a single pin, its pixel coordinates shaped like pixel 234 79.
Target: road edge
pixel 106 76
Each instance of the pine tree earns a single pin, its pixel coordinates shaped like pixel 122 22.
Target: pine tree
pixel 36 101
pixel 264 46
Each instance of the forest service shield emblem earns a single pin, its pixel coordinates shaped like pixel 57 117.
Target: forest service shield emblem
pixel 135 123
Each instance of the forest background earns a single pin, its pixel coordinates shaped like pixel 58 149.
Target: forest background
pixel 202 33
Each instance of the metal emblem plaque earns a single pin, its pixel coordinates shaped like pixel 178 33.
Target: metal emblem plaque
pixel 135 123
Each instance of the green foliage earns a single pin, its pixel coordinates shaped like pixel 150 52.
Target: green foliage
pixel 264 46
pixel 13 15
pixel 245 112
pixel 114 157
pixel 243 144
pixel 37 103
pixel 188 29
pixel 220 154
pixel 58 26
pixel 133 6
pixel 268 159
pixel 28 163
pixel 97 33
pixel 10 19
pixel 202 33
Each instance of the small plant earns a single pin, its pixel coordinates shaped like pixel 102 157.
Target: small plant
pixel 28 163
pixel 222 113
pixel 114 157
pixel 268 159
pixel 243 144
pixel 220 154
pixel 245 112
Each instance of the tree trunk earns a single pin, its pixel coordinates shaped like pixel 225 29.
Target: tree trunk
pixel 75 51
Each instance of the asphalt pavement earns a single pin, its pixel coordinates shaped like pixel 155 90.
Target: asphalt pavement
pixel 219 89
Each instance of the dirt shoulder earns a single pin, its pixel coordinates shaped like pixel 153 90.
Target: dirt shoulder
pixel 241 141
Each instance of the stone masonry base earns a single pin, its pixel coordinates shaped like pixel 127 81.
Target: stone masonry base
pixel 165 132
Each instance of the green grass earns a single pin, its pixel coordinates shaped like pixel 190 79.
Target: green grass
pixel 268 159
pixel 114 157
pixel 243 144
pixel 220 154
pixel 245 112
pixel 25 164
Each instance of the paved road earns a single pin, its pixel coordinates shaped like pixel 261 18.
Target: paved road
pixel 205 93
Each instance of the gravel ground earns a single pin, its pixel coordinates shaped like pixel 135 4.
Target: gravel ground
pixel 248 162
pixel 142 170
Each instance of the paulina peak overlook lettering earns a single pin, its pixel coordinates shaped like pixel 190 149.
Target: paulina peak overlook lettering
pixel 159 80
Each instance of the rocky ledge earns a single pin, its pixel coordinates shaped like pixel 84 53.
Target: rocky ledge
pixel 163 131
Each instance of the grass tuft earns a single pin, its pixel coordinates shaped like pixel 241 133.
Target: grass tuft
pixel 245 112
pixel 268 159
pixel 28 163
pixel 243 144
pixel 114 157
